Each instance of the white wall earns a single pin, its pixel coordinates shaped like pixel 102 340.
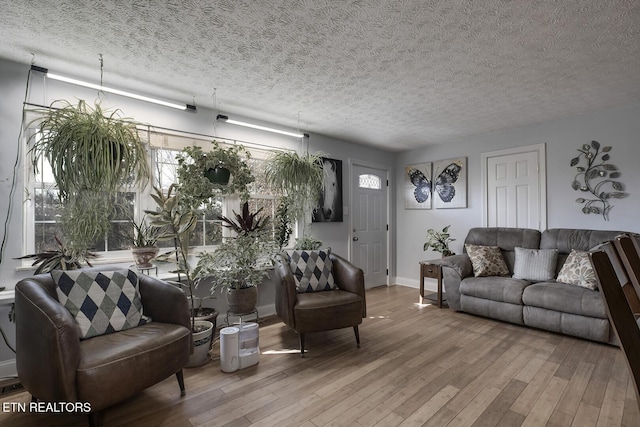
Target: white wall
pixel 13 78
pixel 619 128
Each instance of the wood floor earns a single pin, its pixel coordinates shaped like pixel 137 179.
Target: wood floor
pixel 418 365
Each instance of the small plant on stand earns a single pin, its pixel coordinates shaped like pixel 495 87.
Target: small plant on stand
pixel 439 241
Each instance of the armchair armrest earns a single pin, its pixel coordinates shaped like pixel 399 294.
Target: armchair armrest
pixel 164 302
pixel 286 294
pixel 349 278
pixel 47 342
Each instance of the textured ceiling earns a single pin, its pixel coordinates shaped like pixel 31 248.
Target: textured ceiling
pixel 396 74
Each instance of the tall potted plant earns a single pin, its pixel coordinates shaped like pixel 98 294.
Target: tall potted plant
pixel 241 262
pixel 92 153
pixel 176 223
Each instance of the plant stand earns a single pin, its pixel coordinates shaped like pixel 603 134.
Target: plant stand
pixel 241 316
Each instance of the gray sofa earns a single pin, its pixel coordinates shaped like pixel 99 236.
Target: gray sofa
pixel 552 306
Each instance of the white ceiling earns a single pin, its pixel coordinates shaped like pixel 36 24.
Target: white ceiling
pixel 394 74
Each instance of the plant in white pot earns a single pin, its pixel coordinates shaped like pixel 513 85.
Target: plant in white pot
pixel 241 262
pixel 143 238
pixel 177 223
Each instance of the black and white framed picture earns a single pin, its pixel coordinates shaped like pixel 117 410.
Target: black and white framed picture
pixel 450 183
pixel 329 208
pixel 417 186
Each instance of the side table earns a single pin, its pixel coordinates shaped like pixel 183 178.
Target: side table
pixel 433 271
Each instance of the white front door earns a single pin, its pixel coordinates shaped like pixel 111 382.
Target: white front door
pixel 369 224
pixel 515 188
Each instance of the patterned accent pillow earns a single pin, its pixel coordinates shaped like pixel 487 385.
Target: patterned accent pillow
pixel 313 270
pixel 535 265
pixel 487 261
pixel 577 270
pixel 102 302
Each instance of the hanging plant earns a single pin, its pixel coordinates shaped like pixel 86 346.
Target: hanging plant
pixel 594 177
pixel 197 172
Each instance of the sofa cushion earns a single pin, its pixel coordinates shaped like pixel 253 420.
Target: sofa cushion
pixel 102 302
pixel 312 270
pixel 591 328
pixel 565 298
pixel 487 261
pixel 577 270
pixel 535 265
pixel 502 289
pixel 320 311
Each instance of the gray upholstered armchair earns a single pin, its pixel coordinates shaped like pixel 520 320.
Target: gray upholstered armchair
pixel 55 365
pixel 326 310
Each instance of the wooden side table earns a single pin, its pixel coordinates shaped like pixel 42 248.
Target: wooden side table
pixel 433 271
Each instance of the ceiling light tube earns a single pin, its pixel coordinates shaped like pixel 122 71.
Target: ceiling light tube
pixel 226 119
pixel 112 90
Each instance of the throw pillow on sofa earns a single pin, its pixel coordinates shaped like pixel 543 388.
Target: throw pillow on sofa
pixel 312 270
pixel 577 270
pixel 535 265
pixel 487 261
pixel 101 302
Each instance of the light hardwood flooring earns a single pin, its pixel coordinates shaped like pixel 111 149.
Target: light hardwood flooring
pixel 418 365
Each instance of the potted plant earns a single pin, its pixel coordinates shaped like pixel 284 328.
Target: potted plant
pixel 61 258
pixel 241 262
pixel 143 238
pixel 176 223
pixel 439 241
pixel 297 177
pixel 198 172
pixel 91 156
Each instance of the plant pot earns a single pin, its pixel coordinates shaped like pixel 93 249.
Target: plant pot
pixel 201 344
pixel 218 175
pixel 143 256
pixel 242 300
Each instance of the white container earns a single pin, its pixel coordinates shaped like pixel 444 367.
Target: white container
pixel 249 345
pixel 229 345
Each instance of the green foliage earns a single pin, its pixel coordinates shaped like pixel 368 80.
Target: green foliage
pixel 88 150
pixel 308 243
pixel 592 177
pixel 196 190
pixel 144 234
pixel 283 227
pixel 298 177
pixel 63 258
pixel 439 241
pixel 243 260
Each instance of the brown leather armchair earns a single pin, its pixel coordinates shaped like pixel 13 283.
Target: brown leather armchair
pixel 325 310
pixel 54 365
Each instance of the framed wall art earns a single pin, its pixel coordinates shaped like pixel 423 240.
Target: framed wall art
pixel 329 208
pixel 450 183
pixel 417 186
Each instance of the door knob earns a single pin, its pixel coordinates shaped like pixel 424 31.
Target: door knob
pixel 355 239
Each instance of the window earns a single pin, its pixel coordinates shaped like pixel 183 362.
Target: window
pixel 42 207
pixel 369 181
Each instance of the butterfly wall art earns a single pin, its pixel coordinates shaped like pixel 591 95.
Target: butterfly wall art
pixel 447 187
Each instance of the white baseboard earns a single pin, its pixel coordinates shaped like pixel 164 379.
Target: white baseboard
pixel 429 284
pixel 8 368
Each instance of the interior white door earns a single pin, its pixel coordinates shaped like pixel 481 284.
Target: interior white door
pixel 369 223
pixel 514 190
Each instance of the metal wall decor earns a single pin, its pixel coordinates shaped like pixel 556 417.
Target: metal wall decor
pixel 595 178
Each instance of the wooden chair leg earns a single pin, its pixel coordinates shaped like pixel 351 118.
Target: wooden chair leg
pixel 95 419
pixel 301 344
pixel 180 378
pixel 355 331
pixel 34 399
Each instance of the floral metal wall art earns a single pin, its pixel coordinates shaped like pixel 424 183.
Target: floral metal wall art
pixel 597 178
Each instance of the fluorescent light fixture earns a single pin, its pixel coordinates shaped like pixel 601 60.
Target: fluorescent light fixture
pixel 226 119
pixel 111 90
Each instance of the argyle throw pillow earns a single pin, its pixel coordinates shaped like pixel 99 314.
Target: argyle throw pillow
pixel 102 302
pixel 312 270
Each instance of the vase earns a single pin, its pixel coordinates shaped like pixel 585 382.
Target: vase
pixel 201 344
pixel 218 175
pixel 142 256
pixel 242 300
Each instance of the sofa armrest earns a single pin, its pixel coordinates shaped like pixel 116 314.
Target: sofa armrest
pixel 164 302
pixel 47 343
pixel 349 278
pixel 286 294
pixel 454 269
